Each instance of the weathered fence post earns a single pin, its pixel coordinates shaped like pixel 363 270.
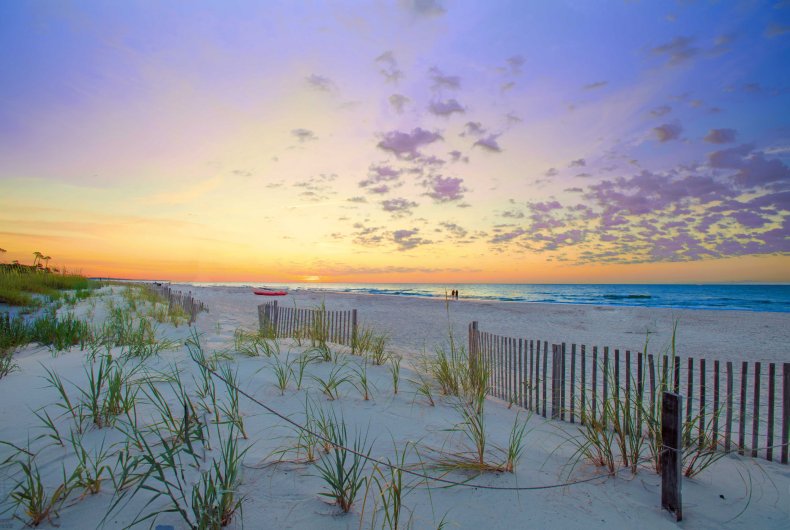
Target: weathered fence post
pixel 353 330
pixel 473 347
pixel 274 317
pixel 556 381
pixel 785 410
pixel 671 457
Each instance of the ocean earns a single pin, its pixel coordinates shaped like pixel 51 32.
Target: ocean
pixel 750 297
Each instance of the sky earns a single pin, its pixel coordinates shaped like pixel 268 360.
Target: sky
pixel 400 141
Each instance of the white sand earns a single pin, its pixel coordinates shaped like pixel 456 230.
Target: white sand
pixel 735 493
pixel 415 324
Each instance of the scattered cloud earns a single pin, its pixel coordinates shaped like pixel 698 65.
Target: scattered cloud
pixel 389 67
pixel 662 110
pixel 455 230
pixel 775 30
pixel 445 108
pixel 516 63
pixel 427 8
pixel 720 136
pixel 597 84
pixel 304 135
pixel 398 102
pixel 407 144
pixel 446 189
pixel 676 51
pixel 319 82
pixel 489 143
pixel 408 239
pixel 579 162
pixel 458 156
pixel 440 80
pixel 398 207
pixel 667 132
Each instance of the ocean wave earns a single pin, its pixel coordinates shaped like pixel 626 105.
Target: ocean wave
pixel 627 296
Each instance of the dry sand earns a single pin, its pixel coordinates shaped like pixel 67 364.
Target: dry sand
pixel 735 493
pixel 417 324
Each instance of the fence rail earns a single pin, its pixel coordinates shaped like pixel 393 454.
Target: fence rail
pixel 339 327
pixel 186 301
pixel 733 407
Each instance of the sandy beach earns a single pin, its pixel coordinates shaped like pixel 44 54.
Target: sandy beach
pixel 736 492
pixel 418 324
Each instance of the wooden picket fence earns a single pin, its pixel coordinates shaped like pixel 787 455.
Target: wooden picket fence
pixel 734 406
pixel 339 327
pixel 186 301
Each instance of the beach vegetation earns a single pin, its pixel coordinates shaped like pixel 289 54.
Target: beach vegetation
pixel 331 385
pixel 21 285
pixel 92 466
pixel 362 382
pixel 230 409
pixel 254 344
pixel 478 454
pixel 394 369
pixel 301 362
pixel 389 483
pixel 343 471
pixel 282 372
pixel 37 501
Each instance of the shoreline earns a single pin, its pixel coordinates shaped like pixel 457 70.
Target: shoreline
pixel 417 324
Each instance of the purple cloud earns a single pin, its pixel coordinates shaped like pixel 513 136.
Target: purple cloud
pixel 440 80
pixel 662 110
pixel 446 189
pixel 454 229
pixel 475 128
pixel 578 163
pixel 753 169
pixel 507 236
pixel 378 174
pixel 398 102
pixel 676 51
pixel 597 84
pixel 389 69
pixel 407 239
pixel 489 143
pixel 720 136
pixel 398 207
pixel 406 145
pixel 445 108
pixel 516 62
pixel 458 156
pixel 667 132
pixel 320 82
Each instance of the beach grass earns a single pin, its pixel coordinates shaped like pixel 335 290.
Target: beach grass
pixel 19 284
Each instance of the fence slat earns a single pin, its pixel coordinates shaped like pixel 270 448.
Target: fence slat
pixel 756 414
pixel 545 362
pixel 583 389
pixel 594 383
pixel 605 382
pixel 728 418
pixel 573 382
pixel 689 397
pixel 562 383
pixel 742 433
pixel 785 410
pixel 715 410
pixel 701 401
pixel 769 435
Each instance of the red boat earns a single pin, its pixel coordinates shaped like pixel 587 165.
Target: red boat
pixel 265 291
